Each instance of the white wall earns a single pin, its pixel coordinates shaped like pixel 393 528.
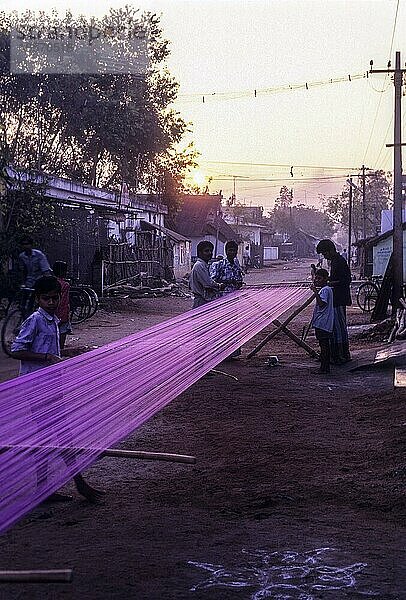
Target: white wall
pixel 382 252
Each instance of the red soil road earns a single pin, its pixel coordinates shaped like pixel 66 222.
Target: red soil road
pixel 287 460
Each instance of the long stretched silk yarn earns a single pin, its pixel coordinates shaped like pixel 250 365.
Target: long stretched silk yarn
pixel 58 420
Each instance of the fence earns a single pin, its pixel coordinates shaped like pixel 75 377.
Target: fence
pixel 149 260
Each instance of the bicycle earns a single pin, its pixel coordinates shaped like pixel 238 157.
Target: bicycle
pixel 17 311
pixel 367 293
pixel 84 303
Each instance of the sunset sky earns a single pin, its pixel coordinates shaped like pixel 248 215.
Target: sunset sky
pixel 237 46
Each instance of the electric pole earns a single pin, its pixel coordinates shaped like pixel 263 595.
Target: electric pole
pixel 349 223
pixel 364 207
pixel 397 289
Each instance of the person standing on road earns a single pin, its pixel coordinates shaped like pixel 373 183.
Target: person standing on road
pixel 34 264
pixel 246 259
pixel 60 269
pixel 228 270
pixel 339 281
pixel 33 261
pixel 37 346
pixel 204 288
pixel 323 316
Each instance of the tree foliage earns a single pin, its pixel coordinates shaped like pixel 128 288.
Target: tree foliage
pixel 285 198
pixel 101 129
pixel 288 219
pixel 377 198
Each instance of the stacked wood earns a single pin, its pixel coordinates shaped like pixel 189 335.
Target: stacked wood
pixel 399 328
pixel 157 288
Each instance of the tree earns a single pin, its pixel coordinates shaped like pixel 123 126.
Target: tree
pixel 309 219
pixel 285 198
pixel 377 198
pixel 102 129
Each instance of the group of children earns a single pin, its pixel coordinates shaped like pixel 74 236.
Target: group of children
pixel 223 276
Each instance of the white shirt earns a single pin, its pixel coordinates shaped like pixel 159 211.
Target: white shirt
pixel 323 318
pixel 39 333
pixel 200 281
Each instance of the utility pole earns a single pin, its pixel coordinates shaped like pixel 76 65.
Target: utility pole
pixel 349 224
pixel 397 288
pixel 364 207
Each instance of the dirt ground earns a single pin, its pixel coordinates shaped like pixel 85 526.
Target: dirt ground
pixel 297 492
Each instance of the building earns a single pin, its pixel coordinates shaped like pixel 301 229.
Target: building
pixel 99 223
pixel 253 229
pixel 374 253
pixel 200 218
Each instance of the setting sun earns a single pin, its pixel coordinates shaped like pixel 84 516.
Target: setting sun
pixel 198 178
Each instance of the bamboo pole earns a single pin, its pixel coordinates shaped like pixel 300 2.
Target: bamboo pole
pixel 114 452
pixel 37 576
pixel 281 326
pixel 181 458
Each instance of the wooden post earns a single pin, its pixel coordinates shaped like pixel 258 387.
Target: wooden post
pixel 113 452
pixel 181 458
pixel 298 341
pixel 37 576
pixel 280 327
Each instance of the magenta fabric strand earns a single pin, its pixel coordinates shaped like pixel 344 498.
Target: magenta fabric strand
pixel 60 419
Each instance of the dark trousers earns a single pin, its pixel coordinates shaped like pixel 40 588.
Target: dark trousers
pixel 324 337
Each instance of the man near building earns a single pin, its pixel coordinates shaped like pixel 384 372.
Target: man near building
pixel 204 288
pixel 35 264
pixel 228 270
pixel 340 280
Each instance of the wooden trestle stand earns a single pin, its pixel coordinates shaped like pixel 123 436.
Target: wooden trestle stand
pixel 282 327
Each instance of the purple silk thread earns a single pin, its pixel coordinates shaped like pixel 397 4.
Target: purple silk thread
pixel 91 402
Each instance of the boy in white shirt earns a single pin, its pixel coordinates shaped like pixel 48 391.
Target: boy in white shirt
pixel 323 316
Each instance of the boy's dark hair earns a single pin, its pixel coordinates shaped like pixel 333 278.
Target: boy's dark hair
pixel 325 245
pixel 322 273
pixel 26 239
pixel 231 244
pixel 203 245
pixel 46 284
pixel 60 268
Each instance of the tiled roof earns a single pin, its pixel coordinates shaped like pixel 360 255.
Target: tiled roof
pixel 197 217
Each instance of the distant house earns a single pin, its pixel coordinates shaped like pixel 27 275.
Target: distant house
pixel 200 218
pixel 253 228
pixel 301 245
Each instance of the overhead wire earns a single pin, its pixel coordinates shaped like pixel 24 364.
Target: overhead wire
pixel 384 83
pixel 202 97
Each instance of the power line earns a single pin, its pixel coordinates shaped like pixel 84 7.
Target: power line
pixel 247 178
pixel 203 97
pixel 252 164
pixel 384 82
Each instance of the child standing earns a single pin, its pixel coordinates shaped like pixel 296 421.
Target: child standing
pixel 323 316
pixel 60 269
pixel 37 346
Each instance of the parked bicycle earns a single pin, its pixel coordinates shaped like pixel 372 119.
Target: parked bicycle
pixel 17 311
pixel 84 303
pixel 367 293
pixel 83 300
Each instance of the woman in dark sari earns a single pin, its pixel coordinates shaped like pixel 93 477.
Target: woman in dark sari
pixel 340 280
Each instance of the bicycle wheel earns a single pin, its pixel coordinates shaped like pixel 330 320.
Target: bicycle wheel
pixel 80 305
pixel 10 328
pixel 94 300
pixel 367 295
